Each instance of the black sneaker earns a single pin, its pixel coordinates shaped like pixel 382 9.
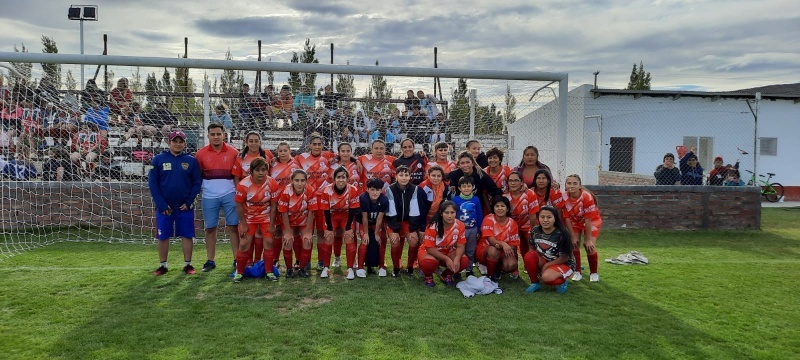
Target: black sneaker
pixel 457 277
pixel 410 271
pixel 160 271
pixel 395 272
pixel 297 265
pixel 189 270
pixel 290 273
pixel 371 271
pixel 303 273
pixel 209 265
pixel 308 267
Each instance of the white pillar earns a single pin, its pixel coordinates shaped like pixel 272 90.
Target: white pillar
pixel 206 110
pixel 561 148
pixel 473 98
pixel 83 82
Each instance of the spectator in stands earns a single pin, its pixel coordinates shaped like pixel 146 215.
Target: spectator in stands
pixel 12 114
pixel 529 165
pixel 345 117
pixel 59 167
pixel 284 105
pixel 247 108
pixel 717 175
pixel 87 145
pixel 63 126
pixel 92 95
pixel 5 91
pixel 121 98
pixel 330 99
pixel 667 173
pixel 32 129
pixel 20 168
pixel 363 126
pixel 691 171
pixel 46 93
pixel 380 133
pixel 221 116
pixel 97 113
pixel 439 129
pixel 411 101
pixel 303 107
pixel 162 118
pixel 107 169
pixel 346 136
pixel 428 104
pixel 216 163
pixel 394 125
pixel 22 92
pixel 417 125
pixel 141 125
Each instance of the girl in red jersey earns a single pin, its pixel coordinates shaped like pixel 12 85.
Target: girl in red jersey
pixel 282 167
pixel 546 193
pixel 435 189
pixel 377 164
pixel 551 259
pixel 499 240
pixel 441 157
pixel 443 245
pixel 524 206
pixel 496 170
pixel 345 159
pixel 583 216
pixel 316 163
pixel 339 203
pixel 416 163
pixel 530 165
pixel 241 168
pixel 295 205
pixel 256 204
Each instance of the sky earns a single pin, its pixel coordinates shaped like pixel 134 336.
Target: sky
pixel 714 45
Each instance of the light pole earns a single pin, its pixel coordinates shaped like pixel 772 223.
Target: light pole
pixel 82 13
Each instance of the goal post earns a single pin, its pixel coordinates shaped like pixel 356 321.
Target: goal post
pixel 479 104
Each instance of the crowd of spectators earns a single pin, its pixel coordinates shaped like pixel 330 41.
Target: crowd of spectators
pixel 690 172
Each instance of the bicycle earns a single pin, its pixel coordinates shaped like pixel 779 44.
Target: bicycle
pixel 771 191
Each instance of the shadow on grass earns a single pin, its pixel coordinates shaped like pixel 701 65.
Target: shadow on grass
pixel 176 316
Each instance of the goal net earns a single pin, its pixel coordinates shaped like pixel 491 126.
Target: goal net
pixel 75 157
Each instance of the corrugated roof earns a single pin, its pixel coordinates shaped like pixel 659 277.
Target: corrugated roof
pixel 783 92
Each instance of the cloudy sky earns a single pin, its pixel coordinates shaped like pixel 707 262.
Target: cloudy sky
pixel 706 45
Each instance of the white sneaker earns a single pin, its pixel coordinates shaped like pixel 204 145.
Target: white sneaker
pixel 382 272
pixel 361 273
pixel 352 274
pixel 482 269
pixel 577 277
pixel 594 277
pixel 325 273
pixel 336 262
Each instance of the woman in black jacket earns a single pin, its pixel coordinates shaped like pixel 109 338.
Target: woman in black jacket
pixel 485 187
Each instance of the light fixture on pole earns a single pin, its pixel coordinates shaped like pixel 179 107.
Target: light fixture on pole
pixel 82 13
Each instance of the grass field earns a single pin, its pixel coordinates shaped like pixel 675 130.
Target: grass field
pixel 705 295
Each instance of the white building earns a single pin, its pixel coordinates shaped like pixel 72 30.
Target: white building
pixel 630 131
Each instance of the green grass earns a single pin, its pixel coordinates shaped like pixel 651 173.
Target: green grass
pixel 704 295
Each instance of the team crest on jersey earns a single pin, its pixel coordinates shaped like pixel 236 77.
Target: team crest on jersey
pixel 386 166
pixel 419 166
pixel 185 166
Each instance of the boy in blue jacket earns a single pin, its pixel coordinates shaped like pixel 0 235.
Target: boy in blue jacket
pixel 470 212
pixel 691 171
pixel 174 183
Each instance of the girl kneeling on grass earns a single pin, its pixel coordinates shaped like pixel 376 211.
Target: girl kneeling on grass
pixel 550 259
pixel 583 216
pixel 295 205
pixel 499 240
pixel 339 204
pixel 443 245
pixel 256 204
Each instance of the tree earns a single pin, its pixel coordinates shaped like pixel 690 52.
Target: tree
pixel 52 72
pixel 378 89
pixel 271 76
pixel 510 101
pixel 640 80
pixel 309 56
pixel 151 89
pixel 230 82
pixel 135 84
pixel 344 85
pixel 459 110
pixel 23 68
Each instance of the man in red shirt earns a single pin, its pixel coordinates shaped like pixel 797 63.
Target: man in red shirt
pixel 216 162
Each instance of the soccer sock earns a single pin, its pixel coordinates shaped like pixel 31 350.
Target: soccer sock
pixel 305 257
pixel 186 262
pixel 287 258
pixel 557 281
pixel 397 253
pixel 319 248
pixel 241 261
pixel 531 261
pixel 592 262
pixel 491 267
pixel 164 263
pixel 268 258
pixel 337 246
pixel 325 253
pixel 277 246
pixel 350 250
pixel 523 249
pixel 258 249
pixel 428 266
pixel 412 255
pixel 297 246
pixel 577 254
pixel 464 263
pixel 362 255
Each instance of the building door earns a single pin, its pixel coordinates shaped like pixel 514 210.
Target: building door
pixel 620 157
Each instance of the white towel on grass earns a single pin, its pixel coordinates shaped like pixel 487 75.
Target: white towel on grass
pixel 478 286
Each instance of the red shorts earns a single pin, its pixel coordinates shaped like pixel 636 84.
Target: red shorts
pixel 405 229
pixel 564 269
pixel 264 227
pixel 338 220
pixel 581 229
pixel 422 252
pixel 480 251
pixel 319 220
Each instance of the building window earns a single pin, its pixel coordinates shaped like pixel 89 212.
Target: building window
pixel 769 146
pixel 704 145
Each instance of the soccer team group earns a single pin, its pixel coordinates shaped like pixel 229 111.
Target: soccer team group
pixel 454 215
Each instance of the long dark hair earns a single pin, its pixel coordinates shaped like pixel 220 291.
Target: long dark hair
pixel 501 199
pixel 539 163
pixel 559 225
pixel 549 183
pixel 438 221
pixel 245 148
